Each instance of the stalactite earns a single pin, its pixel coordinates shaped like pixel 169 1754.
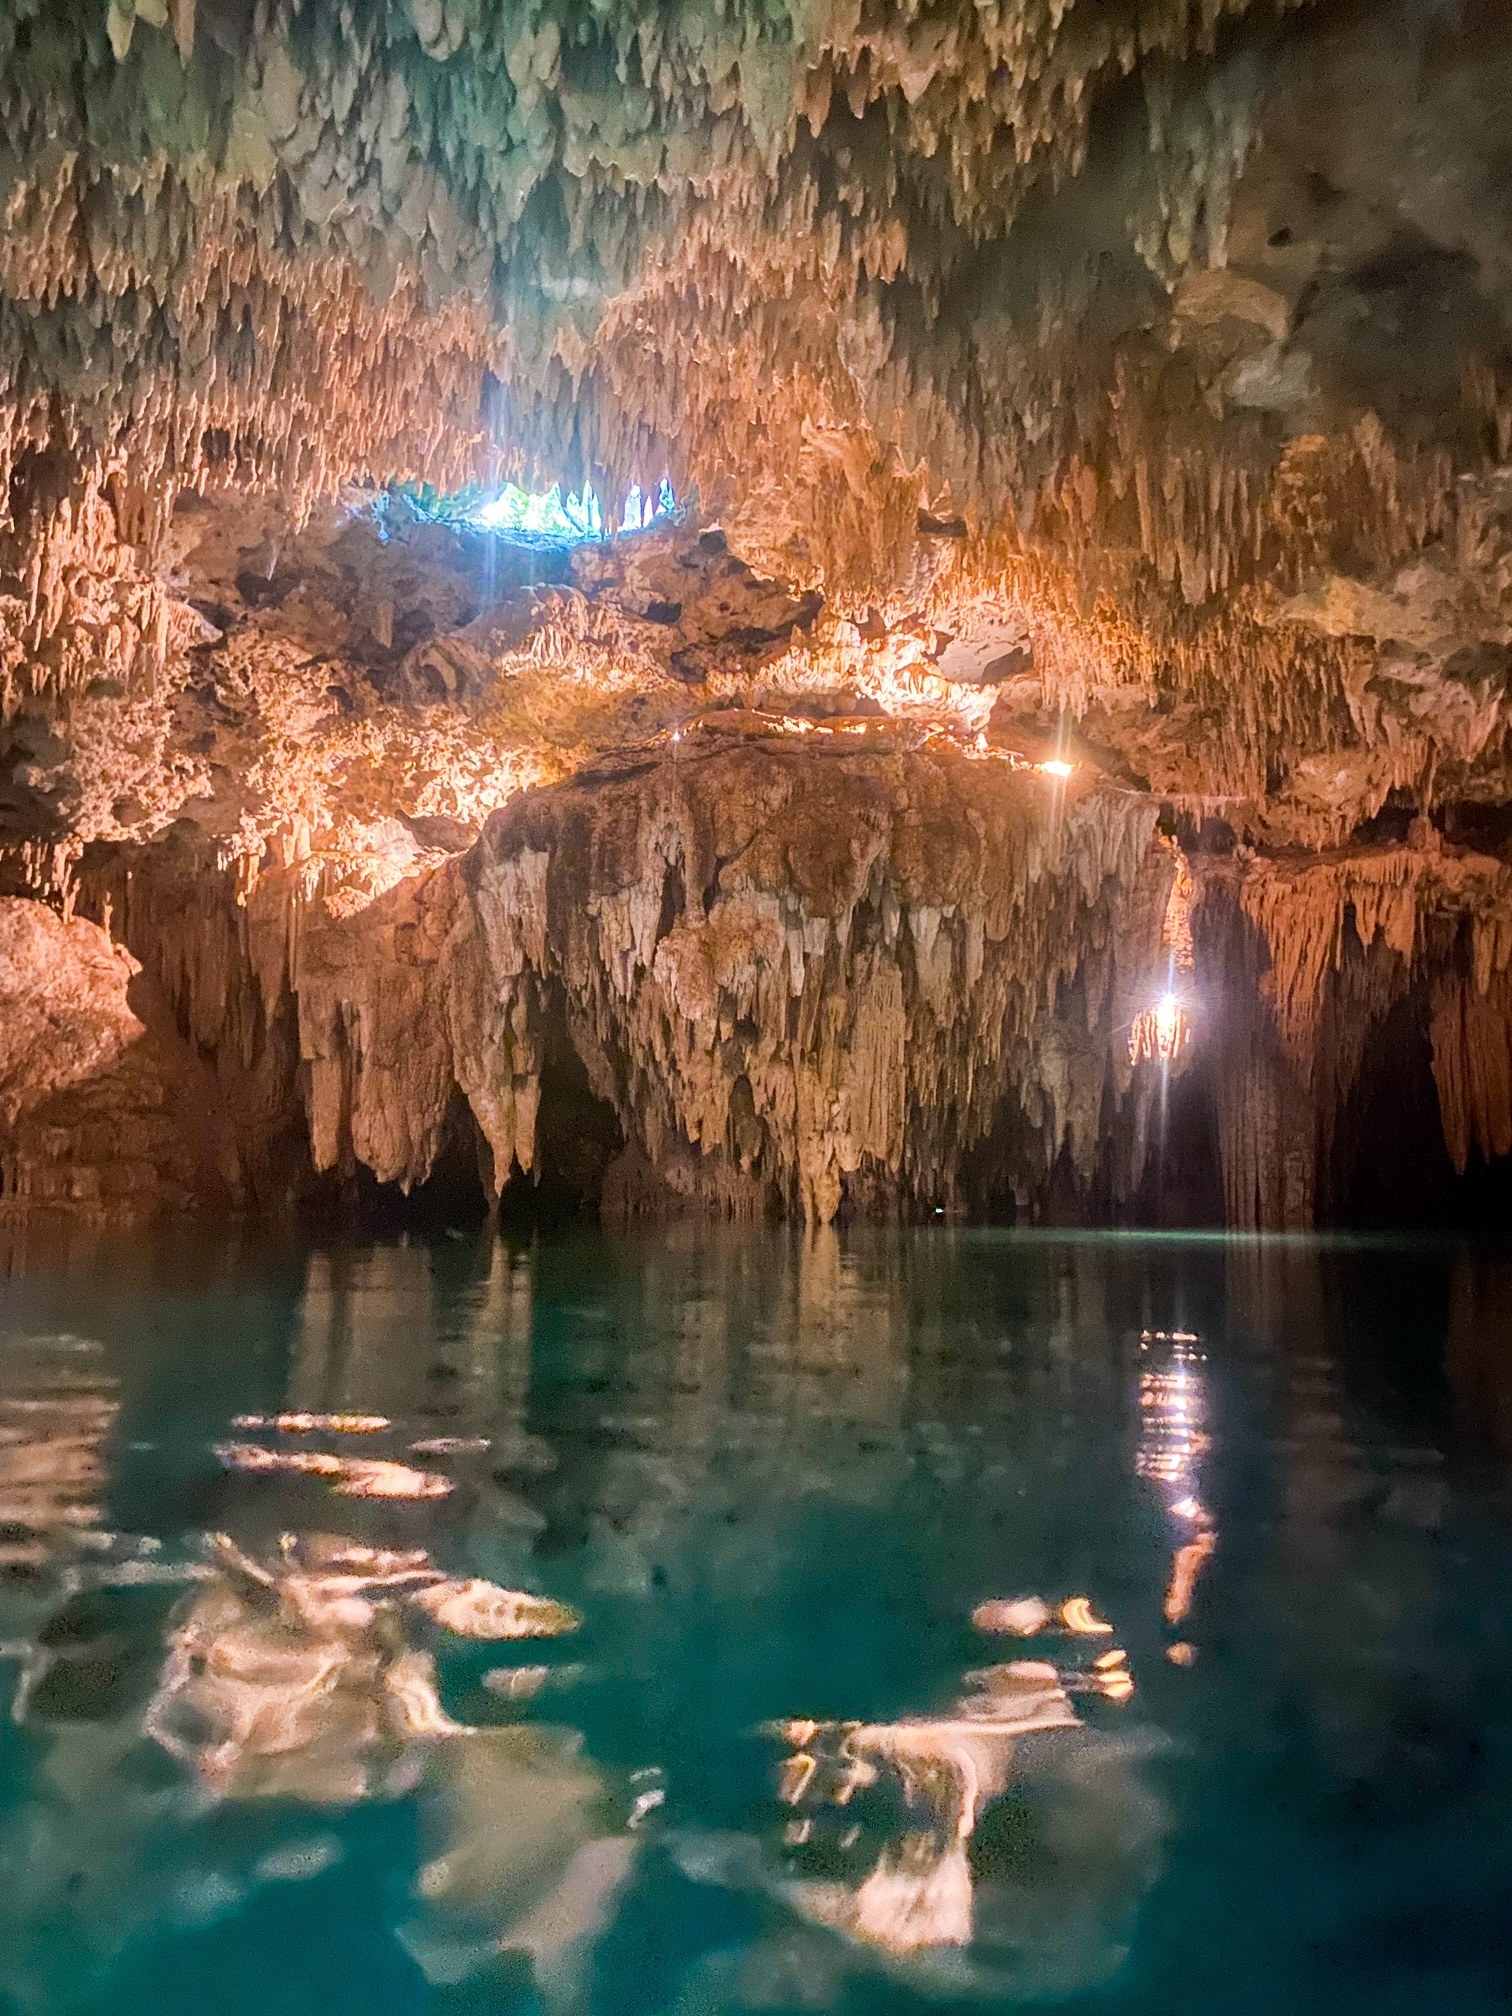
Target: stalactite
pixel 100 1109
pixel 1046 384
pixel 359 252
pixel 774 1001
pixel 1315 954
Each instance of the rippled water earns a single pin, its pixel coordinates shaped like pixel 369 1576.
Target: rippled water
pixel 1231 1730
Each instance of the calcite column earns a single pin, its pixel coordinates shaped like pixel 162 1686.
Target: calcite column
pixel 1268 1143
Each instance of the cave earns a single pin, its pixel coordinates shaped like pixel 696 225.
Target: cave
pixel 471 592
pixel 755 897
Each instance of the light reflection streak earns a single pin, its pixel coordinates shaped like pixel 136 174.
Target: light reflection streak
pixel 295 1677
pixel 312 1424
pixel 918 1892
pixel 915 1888
pixel 1173 1440
pixel 349 1476
pixel 54 1418
pixel 1077 1615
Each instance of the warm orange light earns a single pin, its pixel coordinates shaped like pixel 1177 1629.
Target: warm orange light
pixel 310 1424
pixel 1077 1615
pixel 1186 1566
pixel 1160 1032
pixel 795 1775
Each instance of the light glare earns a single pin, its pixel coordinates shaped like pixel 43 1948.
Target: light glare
pixel 1159 1032
pixel 571 516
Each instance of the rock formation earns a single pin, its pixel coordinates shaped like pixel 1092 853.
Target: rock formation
pixel 1124 389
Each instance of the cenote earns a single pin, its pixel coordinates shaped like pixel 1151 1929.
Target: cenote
pixel 755 1007
pixel 922 1619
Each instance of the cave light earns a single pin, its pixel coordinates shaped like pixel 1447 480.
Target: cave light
pixel 1160 1032
pixel 573 515
pixel 1056 766
pixel 1167 1023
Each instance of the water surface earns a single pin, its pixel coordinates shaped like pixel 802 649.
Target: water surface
pixel 1248 1748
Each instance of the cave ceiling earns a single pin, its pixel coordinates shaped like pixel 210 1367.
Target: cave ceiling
pixel 1125 382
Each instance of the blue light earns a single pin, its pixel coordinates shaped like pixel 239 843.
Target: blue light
pixel 577 516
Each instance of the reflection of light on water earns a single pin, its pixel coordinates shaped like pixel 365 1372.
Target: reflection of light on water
pixel 1078 1615
pixel 918 1891
pixel 313 1424
pixel 1186 1565
pixel 295 1676
pixel 1173 1410
pixel 54 1417
pixel 349 1476
pixel 914 1888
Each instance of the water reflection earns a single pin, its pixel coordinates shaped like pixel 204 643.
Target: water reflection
pixel 896 1873
pixel 1172 1442
pixel 57 1406
pixel 918 1890
pixel 348 1476
pixel 298 1677
pixel 514 1552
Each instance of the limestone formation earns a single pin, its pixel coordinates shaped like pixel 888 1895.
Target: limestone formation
pixel 1124 388
pixel 98 1106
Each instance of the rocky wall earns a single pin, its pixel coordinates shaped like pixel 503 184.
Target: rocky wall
pixel 799 981
pixel 781 980
pixel 103 1106
pixel 802 983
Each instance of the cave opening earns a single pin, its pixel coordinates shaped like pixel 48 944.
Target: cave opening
pixel 455 1197
pixel 1181 1184
pixel 578 1138
pixel 1390 1167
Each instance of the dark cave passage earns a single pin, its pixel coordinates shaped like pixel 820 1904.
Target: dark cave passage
pixel 1390 1169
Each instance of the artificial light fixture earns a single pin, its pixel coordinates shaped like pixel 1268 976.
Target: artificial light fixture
pixel 1057 766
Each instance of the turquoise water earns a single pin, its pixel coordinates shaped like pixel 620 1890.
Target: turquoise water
pixel 776 1765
